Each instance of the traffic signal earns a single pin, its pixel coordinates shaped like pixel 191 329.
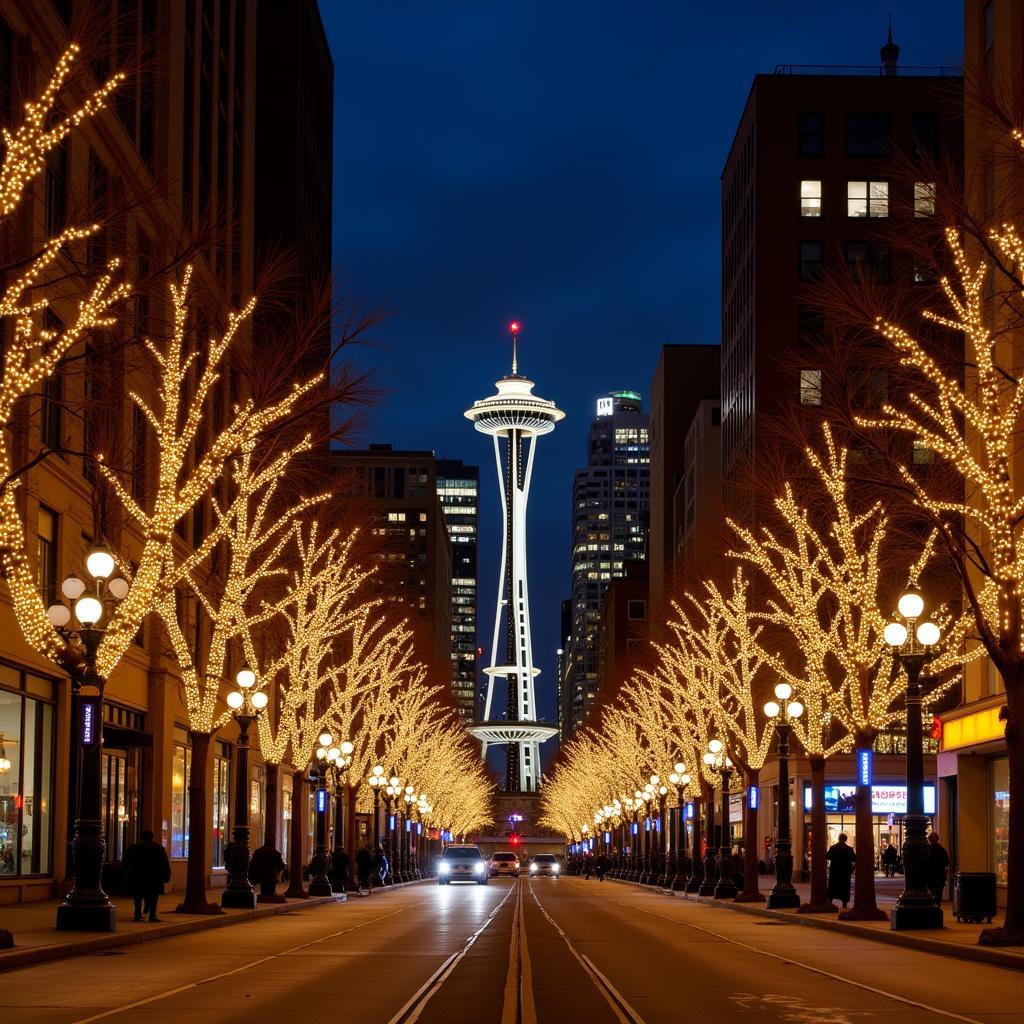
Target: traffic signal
pixel 514 839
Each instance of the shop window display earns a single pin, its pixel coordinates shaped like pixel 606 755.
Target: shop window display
pixel 221 797
pixel 1000 776
pixel 179 800
pixel 26 774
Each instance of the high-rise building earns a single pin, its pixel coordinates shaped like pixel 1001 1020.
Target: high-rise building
pixel 815 176
pixel 170 170
pixel 519 418
pixel 685 376
pixel 610 509
pixel 974 764
pixel 458 487
pixel 399 489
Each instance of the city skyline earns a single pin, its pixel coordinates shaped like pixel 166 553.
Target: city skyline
pixel 537 200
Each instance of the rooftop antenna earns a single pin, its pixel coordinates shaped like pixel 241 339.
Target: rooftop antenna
pixel 890 53
pixel 514 328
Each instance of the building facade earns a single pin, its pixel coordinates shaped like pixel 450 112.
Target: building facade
pixel 171 169
pixel 973 766
pixel 400 494
pixel 610 514
pixel 458 487
pixel 685 376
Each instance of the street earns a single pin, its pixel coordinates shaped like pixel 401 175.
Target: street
pixel 544 950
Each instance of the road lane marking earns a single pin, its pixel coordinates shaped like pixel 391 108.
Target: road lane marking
pixel 798 963
pixel 620 1007
pixel 238 970
pixel 518 1006
pixel 410 1012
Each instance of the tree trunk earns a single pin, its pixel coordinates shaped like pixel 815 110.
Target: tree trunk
pixel 820 903
pixel 1012 932
pixel 865 907
pixel 296 861
pixel 270 810
pixel 751 860
pixel 195 901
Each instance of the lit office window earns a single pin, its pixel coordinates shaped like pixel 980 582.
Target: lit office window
pixel 810 198
pixel 867 199
pixel 810 387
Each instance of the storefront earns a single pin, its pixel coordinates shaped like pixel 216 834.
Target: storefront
pixel 975 796
pixel 888 808
pixel 27 744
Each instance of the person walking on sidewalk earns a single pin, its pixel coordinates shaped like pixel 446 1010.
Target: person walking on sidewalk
pixel 364 863
pixel 890 858
pixel 600 867
pixel 840 859
pixel 146 871
pixel 938 864
pixel 265 867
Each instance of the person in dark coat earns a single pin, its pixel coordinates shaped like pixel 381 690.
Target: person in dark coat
pixel 379 866
pixel 840 859
pixel 600 867
pixel 938 864
pixel 339 870
pixel 146 871
pixel 890 858
pixel 265 867
pixel 364 864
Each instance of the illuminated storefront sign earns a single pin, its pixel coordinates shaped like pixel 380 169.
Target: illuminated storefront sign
pixel 884 799
pixel 978 727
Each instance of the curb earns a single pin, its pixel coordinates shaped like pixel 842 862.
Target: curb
pixel 981 954
pixel 32 955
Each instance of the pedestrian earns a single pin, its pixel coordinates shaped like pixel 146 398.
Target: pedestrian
pixel 339 870
pixel 890 857
pixel 938 863
pixel 587 863
pixel 364 865
pixel 379 866
pixel 265 867
pixel 840 859
pixel 601 866
pixel 146 871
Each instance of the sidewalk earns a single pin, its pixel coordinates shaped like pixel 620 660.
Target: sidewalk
pixel 36 940
pixel 954 939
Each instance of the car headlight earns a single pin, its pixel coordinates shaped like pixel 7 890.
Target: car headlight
pixel 554 867
pixel 478 867
pixel 533 867
pixel 444 868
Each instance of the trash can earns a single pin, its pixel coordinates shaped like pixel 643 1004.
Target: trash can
pixel 974 896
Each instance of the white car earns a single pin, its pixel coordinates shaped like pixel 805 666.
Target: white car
pixel 462 864
pixel 504 864
pixel 544 864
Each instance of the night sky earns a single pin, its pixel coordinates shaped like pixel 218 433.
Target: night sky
pixel 558 163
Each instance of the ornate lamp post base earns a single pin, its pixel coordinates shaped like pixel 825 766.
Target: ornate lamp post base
pixel 783 897
pixel 916 915
pixel 86 917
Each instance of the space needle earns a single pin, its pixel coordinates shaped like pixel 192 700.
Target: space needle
pixel 514 415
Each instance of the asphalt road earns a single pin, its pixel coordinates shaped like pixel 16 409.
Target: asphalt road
pixel 546 951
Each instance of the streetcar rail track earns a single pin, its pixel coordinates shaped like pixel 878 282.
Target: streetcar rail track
pixel 620 1006
pixel 414 1007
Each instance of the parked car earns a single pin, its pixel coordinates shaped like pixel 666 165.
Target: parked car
pixel 503 863
pixel 462 864
pixel 544 864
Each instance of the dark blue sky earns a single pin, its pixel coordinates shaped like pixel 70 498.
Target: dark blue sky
pixel 555 162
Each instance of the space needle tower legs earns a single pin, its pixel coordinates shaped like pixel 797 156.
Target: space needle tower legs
pixel 516 417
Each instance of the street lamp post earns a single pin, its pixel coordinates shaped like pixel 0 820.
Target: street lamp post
pixel 87 907
pixel 680 780
pixel 647 796
pixel 662 837
pixel 392 792
pixel 319 879
pixel 911 647
pixel 377 781
pixel 716 758
pixel 710 872
pixel 246 706
pixel 340 766
pixel 783 713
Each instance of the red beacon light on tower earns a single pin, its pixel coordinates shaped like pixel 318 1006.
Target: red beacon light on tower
pixel 514 326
